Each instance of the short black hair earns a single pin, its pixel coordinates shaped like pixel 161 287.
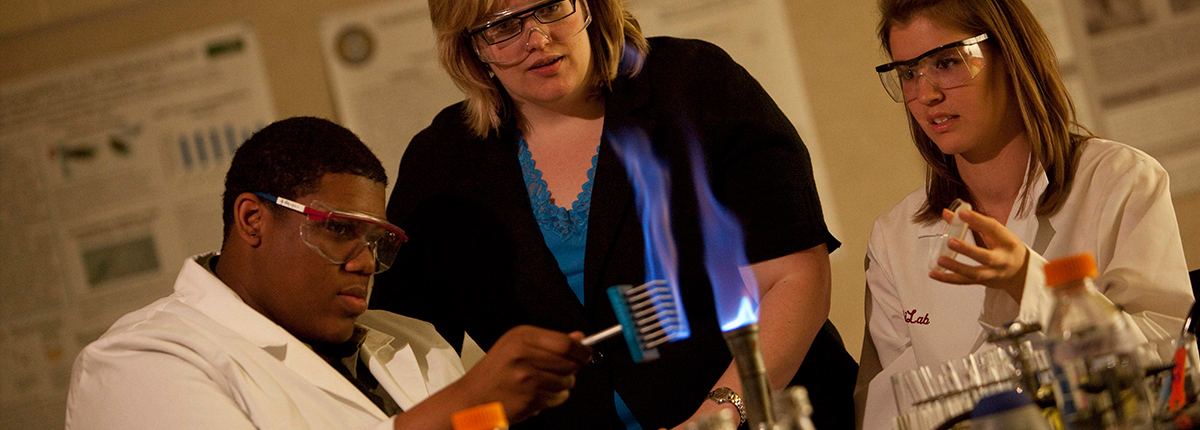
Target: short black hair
pixel 289 157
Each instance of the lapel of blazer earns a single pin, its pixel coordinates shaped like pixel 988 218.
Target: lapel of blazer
pixel 496 166
pixel 612 195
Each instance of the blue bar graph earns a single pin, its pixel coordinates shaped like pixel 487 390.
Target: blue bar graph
pixel 206 147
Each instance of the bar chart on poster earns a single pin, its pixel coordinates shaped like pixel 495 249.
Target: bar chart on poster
pixel 212 145
pixel 111 174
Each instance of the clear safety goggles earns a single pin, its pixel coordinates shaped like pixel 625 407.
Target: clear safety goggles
pixel 496 39
pixel 947 66
pixel 341 236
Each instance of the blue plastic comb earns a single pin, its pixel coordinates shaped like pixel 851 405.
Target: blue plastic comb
pixel 649 315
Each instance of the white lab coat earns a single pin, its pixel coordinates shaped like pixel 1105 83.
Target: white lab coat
pixel 1119 209
pixel 203 359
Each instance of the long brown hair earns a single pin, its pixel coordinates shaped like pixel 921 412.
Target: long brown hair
pixel 612 29
pixel 1046 108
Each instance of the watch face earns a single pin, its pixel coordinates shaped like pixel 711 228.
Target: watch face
pixel 721 395
pixel 724 395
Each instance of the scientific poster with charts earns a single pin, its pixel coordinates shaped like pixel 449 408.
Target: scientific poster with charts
pixel 1133 70
pixel 111 175
pixel 387 84
pixel 758 35
pixel 1145 57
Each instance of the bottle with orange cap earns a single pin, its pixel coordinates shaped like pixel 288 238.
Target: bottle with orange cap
pixel 1099 381
pixel 488 416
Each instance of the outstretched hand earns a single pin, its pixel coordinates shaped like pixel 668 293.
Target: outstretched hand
pixel 1002 262
pixel 528 369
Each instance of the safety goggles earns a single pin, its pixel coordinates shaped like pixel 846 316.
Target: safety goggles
pixel 341 236
pixel 496 39
pixel 947 66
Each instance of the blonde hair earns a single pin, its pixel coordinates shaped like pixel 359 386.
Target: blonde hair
pixel 1046 108
pixel 617 44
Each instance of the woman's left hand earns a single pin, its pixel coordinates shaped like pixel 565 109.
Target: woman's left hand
pixel 1003 262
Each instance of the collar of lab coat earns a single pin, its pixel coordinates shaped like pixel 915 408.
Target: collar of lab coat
pixel 403 378
pixel 202 290
pixel 1025 224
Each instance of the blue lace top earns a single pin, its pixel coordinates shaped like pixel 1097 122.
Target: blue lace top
pixel 565 230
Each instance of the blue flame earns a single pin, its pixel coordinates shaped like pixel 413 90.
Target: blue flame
pixel 735 291
pixel 746 315
pixel 652 188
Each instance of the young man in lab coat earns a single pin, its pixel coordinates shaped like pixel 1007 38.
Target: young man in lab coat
pixel 273 332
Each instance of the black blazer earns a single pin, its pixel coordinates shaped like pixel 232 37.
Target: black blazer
pixel 477 261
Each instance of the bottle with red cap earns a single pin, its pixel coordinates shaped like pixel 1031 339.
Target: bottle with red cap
pixel 1094 350
pixel 488 416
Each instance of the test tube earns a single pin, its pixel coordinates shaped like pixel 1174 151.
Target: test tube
pixel 957 229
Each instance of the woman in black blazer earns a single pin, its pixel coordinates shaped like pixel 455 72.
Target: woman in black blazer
pixel 519 212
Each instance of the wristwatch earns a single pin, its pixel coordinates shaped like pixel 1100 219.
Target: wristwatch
pixel 726 395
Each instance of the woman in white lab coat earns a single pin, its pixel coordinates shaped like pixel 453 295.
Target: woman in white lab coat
pixel 990 116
